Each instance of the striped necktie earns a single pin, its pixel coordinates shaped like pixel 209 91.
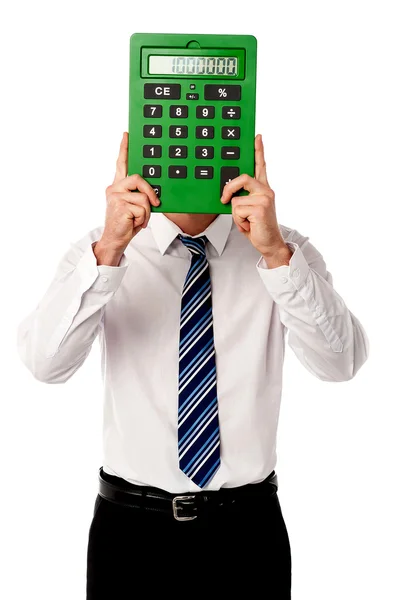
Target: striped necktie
pixel 198 420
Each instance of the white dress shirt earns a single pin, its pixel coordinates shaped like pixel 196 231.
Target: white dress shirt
pixel 134 309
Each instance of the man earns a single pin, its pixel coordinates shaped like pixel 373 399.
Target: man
pixel 191 316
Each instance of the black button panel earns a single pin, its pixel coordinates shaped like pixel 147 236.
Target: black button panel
pixel 222 92
pixel 203 131
pixel 168 91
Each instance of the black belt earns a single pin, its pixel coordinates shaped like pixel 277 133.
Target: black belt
pixel 184 507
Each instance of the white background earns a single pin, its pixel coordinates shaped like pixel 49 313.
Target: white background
pixel 327 106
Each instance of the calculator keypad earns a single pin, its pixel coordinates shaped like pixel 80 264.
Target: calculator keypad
pixel 203 131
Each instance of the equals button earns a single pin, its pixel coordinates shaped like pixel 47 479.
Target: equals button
pixel 204 172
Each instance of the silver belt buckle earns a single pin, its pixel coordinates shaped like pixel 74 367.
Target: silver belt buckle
pixel 176 507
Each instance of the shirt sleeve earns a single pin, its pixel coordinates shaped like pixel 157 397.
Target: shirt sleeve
pixel 56 337
pixel 323 333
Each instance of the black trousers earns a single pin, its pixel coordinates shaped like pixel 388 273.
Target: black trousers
pixel 241 549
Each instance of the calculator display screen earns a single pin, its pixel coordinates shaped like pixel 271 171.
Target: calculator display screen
pixel 193 65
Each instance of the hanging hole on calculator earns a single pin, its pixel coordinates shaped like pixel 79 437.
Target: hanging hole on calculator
pixel 193 44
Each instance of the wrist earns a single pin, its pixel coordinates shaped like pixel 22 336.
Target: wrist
pixel 107 255
pixel 277 257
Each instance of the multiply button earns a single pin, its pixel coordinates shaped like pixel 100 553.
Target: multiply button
pixel 222 92
pixel 162 90
pixel 231 133
pixel 231 112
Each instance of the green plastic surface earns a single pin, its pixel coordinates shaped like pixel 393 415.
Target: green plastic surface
pixel 191 195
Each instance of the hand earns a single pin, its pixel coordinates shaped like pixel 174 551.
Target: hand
pixel 127 211
pixel 255 214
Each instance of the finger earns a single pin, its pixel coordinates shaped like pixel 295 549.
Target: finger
pixel 136 182
pixel 140 200
pixel 260 164
pixel 242 181
pixel 121 163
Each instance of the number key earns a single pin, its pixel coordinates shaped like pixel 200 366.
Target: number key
pixel 175 132
pixel 177 151
pixel 178 112
pixel 204 132
pixel 151 171
pixel 152 151
pixel 205 112
pixel 152 131
pixel 204 151
pixel 152 110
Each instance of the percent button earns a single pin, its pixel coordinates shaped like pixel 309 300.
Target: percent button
pixel 222 92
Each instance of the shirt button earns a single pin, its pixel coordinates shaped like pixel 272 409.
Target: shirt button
pixel 103 278
pixel 284 279
pixel 296 272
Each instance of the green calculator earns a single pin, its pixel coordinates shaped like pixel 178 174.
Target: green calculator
pixel 191 116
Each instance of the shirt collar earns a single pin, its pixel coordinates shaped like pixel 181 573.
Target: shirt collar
pixel 165 231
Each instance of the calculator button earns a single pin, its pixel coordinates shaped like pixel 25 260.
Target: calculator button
pixel 204 172
pixel 231 133
pixel 178 112
pixel 151 171
pixel 178 172
pixel 205 112
pixel 162 90
pixel 152 131
pixel 177 151
pixel 176 131
pixel 222 92
pixel 192 96
pixel 231 152
pixel 152 110
pixel 204 151
pixel 152 151
pixel 231 112
pixel 204 132
pixel 226 175
pixel 157 190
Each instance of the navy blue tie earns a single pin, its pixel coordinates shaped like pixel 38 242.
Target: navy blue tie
pixel 198 422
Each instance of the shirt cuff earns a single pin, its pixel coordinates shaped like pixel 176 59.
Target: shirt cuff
pixel 104 278
pixel 287 277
